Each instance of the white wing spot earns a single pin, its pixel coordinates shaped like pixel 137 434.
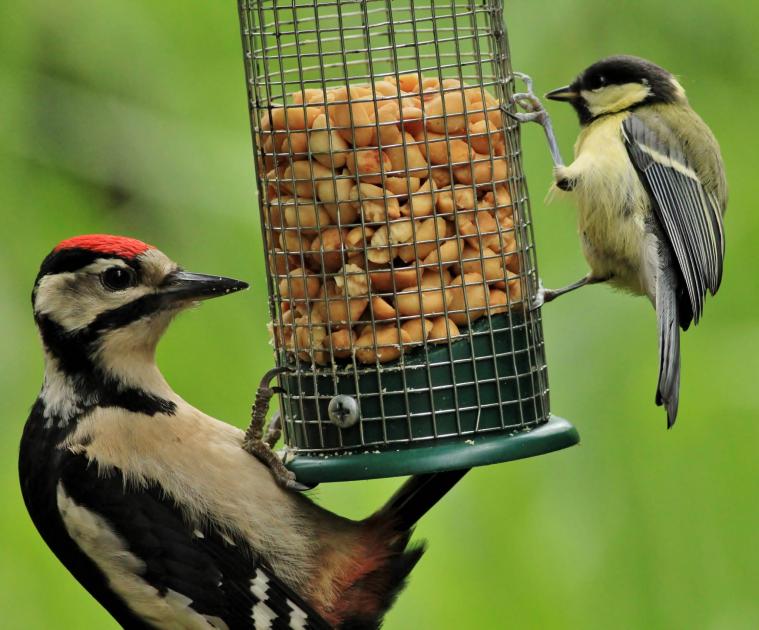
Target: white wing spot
pixel 259 585
pixel 298 617
pixel 263 616
pixel 198 534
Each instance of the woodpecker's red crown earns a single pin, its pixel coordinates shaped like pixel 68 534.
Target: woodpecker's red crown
pixel 120 246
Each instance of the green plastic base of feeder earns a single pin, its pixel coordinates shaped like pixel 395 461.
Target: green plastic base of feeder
pixel 481 450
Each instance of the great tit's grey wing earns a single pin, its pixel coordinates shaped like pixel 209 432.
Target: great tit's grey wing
pixel 167 569
pixel 689 213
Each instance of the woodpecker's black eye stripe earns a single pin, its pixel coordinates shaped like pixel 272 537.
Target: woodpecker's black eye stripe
pixel 128 313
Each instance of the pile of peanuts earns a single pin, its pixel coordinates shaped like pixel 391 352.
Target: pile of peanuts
pixel 388 218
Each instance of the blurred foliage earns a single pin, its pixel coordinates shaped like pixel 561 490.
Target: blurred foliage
pixel 130 117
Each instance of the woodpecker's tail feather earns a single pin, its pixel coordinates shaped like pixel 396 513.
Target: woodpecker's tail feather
pixel 416 497
pixel 389 530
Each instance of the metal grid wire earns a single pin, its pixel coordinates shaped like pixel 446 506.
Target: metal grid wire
pixel 355 257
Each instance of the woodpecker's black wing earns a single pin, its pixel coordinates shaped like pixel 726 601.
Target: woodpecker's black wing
pixel 687 203
pixel 166 569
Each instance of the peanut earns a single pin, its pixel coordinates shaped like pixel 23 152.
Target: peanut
pixel 376 207
pixel 354 117
pixel 445 112
pixel 292 118
pixel 394 280
pixel 304 215
pixel 341 342
pixel 418 329
pixel 299 285
pixel 338 310
pixel 328 147
pixel 381 309
pixel 443 329
pixel 483 169
pixel 336 195
pixel 446 253
pixel 465 310
pixel 327 249
pixel 352 281
pixel 370 164
pixel 423 299
pixel 486 140
pixel 382 344
pixel 462 197
pixel 297 179
pixel 428 232
pixel 402 186
pixel 442 150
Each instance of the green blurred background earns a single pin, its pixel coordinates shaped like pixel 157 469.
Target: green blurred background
pixel 130 117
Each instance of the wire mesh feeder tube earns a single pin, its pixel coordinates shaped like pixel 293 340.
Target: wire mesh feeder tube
pixel 396 223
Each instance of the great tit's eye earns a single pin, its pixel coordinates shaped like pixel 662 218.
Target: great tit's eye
pixel 600 82
pixel 117 278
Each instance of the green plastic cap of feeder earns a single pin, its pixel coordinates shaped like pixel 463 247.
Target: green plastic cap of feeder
pixel 398 243
pixel 478 410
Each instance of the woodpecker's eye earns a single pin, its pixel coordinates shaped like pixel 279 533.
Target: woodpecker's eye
pixel 117 278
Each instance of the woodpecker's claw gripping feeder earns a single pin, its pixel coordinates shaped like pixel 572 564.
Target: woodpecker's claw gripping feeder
pixel 398 238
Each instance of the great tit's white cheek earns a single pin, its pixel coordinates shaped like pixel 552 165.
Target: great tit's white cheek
pixel 615 98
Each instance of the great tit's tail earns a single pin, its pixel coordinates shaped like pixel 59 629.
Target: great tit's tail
pixel 668 388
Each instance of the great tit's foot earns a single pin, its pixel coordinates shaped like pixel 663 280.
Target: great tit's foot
pixel 562 178
pixel 539 298
pixel 263 453
pixel 533 109
pixel 535 112
pixel 549 295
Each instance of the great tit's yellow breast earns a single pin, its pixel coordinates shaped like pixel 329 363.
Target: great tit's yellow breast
pixel 612 202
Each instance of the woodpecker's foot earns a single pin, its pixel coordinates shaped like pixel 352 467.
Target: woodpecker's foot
pixel 260 447
pixel 263 453
pixel 274 430
pixel 264 394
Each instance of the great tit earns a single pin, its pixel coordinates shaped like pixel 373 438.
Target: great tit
pixel 651 193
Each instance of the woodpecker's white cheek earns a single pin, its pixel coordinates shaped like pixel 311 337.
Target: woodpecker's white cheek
pixel 75 299
pixel 615 98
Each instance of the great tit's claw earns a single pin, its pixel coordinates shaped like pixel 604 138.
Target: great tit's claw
pixel 527 117
pixel 540 296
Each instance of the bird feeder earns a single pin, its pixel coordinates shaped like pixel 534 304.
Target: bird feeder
pixel 398 239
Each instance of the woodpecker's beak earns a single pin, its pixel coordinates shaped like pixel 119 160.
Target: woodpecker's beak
pixel 183 285
pixel 565 93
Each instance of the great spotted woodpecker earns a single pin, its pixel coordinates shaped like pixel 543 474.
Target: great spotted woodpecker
pixel 155 507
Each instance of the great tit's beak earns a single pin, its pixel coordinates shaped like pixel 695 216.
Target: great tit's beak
pixel 566 93
pixel 183 285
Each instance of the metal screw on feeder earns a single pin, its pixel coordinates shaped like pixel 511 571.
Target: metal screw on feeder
pixel 399 246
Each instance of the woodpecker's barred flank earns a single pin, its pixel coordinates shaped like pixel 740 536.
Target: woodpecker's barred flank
pixel 153 506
